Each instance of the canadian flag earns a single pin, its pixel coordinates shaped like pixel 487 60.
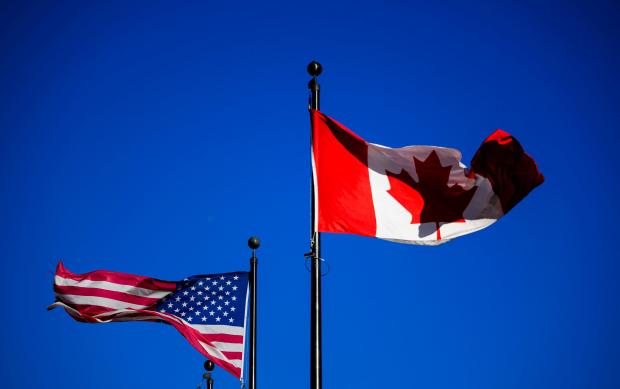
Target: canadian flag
pixel 414 194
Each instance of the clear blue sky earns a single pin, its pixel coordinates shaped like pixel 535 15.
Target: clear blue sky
pixel 156 138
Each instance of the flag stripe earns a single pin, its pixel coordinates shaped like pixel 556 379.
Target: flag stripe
pixel 345 201
pixel 233 355
pixel 90 310
pixel 219 329
pixel 143 292
pixel 111 294
pixel 223 337
pixel 225 346
pixel 99 301
pixel 212 352
pixel 120 278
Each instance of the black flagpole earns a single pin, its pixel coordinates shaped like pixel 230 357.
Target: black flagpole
pixel 209 366
pixel 316 374
pixel 253 243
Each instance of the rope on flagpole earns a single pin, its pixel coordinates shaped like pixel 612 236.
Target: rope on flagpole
pixel 308 257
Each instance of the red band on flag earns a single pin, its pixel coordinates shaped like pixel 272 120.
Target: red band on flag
pixel 341 171
pixel 117 278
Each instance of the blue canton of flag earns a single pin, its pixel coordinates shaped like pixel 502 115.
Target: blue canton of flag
pixel 213 299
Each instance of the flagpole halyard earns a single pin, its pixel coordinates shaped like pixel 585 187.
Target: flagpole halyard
pixel 316 375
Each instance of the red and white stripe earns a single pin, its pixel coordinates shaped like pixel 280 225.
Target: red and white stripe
pixel 103 296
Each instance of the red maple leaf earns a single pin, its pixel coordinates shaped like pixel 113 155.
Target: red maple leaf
pixel 430 199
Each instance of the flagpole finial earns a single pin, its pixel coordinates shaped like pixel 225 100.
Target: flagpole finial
pixel 209 366
pixel 314 69
pixel 254 243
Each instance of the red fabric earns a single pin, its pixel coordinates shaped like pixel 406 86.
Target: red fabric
pixel 118 278
pixel 341 169
pixel 111 294
pixel 512 172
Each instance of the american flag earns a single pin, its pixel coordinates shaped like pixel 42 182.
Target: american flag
pixel 208 310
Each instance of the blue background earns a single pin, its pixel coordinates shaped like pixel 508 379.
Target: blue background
pixel 155 138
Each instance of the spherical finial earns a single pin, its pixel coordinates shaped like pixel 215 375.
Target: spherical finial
pixel 209 365
pixel 254 243
pixel 314 68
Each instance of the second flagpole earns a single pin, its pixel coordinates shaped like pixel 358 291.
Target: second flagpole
pixel 316 373
pixel 253 243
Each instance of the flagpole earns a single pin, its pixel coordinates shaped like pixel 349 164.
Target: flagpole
pixel 316 374
pixel 209 366
pixel 253 243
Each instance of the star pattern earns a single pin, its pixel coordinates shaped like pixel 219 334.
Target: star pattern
pixel 213 299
